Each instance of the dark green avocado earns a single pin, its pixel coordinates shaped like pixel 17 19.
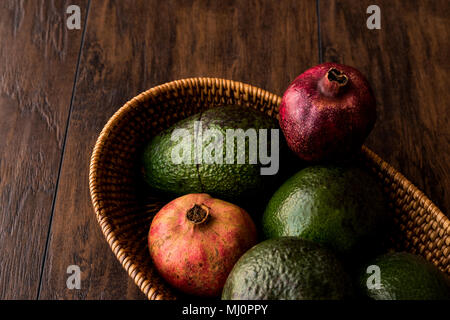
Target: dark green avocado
pixel 287 268
pixel 228 181
pixel 404 276
pixel 341 207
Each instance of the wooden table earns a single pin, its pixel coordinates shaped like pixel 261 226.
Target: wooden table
pixel 58 87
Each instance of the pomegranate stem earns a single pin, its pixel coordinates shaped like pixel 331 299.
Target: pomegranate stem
pixel 198 214
pixel 333 82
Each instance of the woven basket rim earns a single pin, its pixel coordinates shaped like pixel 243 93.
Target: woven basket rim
pixel 109 234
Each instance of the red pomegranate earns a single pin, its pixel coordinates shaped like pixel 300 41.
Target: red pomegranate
pixel 327 112
pixel 195 240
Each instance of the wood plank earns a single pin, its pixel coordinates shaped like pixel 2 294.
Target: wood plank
pixel 406 61
pixel 38 58
pixel 136 45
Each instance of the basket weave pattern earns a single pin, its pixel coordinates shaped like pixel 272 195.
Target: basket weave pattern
pixel 125 217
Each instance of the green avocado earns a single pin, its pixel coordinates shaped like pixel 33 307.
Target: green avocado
pixel 186 159
pixel 341 207
pixel 404 276
pixel 287 268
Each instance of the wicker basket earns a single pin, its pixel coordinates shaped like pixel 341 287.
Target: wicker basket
pixel 124 211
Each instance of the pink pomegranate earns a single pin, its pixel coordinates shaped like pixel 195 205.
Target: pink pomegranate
pixel 195 240
pixel 327 112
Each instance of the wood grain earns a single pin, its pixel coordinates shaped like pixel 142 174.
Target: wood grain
pixel 132 47
pixel 406 61
pixel 38 58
